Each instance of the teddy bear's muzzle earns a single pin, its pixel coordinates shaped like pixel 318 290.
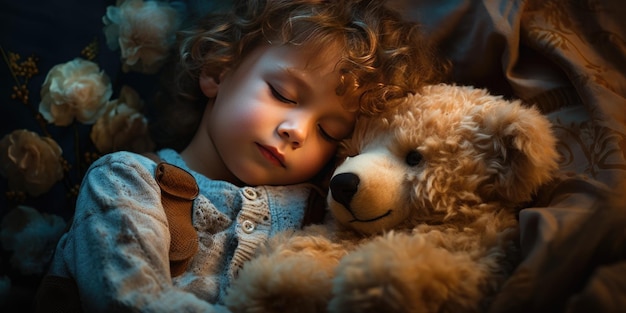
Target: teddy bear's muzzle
pixel 343 189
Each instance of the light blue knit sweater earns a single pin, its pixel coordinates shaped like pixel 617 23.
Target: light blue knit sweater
pixel 117 247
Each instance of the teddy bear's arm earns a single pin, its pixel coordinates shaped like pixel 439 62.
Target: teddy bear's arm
pixel 291 274
pixel 406 273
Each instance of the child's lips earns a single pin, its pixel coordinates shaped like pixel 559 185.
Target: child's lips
pixel 272 154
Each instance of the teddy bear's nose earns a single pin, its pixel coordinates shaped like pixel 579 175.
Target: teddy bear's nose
pixel 343 187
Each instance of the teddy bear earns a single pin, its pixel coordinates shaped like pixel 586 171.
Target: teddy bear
pixel 423 211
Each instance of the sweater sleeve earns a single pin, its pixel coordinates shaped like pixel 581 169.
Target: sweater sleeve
pixel 117 248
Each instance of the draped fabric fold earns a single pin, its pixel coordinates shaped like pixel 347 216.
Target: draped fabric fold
pixel 569 59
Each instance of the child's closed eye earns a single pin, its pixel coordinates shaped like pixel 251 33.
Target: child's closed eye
pixel 280 96
pixel 327 136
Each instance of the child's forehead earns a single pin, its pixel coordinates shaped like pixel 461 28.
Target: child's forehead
pixel 297 62
pixel 312 58
pixel 311 69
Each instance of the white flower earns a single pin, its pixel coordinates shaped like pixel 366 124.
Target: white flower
pixel 30 163
pixel 76 89
pixel 122 127
pixel 31 236
pixel 144 31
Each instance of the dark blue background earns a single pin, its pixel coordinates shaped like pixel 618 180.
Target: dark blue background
pixel 56 32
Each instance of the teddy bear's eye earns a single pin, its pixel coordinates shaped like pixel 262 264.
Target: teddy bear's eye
pixel 413 158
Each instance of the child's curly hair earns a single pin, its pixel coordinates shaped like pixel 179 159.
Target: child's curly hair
pixel 384 57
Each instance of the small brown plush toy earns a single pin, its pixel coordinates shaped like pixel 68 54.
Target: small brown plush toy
pixel 423 212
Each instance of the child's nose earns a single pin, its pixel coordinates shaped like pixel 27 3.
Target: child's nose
pixel 294 132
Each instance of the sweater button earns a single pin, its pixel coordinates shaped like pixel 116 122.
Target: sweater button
pixel 249 193
pixel 248 226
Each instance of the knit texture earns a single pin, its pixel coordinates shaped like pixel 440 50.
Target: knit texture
pixel 118 248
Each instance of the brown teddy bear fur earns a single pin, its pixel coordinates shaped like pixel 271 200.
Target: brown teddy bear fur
pixel 423 212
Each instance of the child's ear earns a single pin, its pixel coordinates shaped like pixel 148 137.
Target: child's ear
pixel 208 84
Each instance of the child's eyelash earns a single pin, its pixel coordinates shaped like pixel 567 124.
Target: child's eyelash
pixel 326 136
pixel 279 96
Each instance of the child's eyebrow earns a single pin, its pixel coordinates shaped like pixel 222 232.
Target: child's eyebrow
pixel 299 77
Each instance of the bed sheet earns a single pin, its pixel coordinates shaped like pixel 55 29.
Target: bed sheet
pixel 569 59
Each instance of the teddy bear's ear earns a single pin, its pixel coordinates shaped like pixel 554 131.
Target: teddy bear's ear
pixel 520 151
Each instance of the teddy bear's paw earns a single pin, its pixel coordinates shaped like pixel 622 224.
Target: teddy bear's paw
pixel 281 283
pixel 405 273
pixel 314 241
